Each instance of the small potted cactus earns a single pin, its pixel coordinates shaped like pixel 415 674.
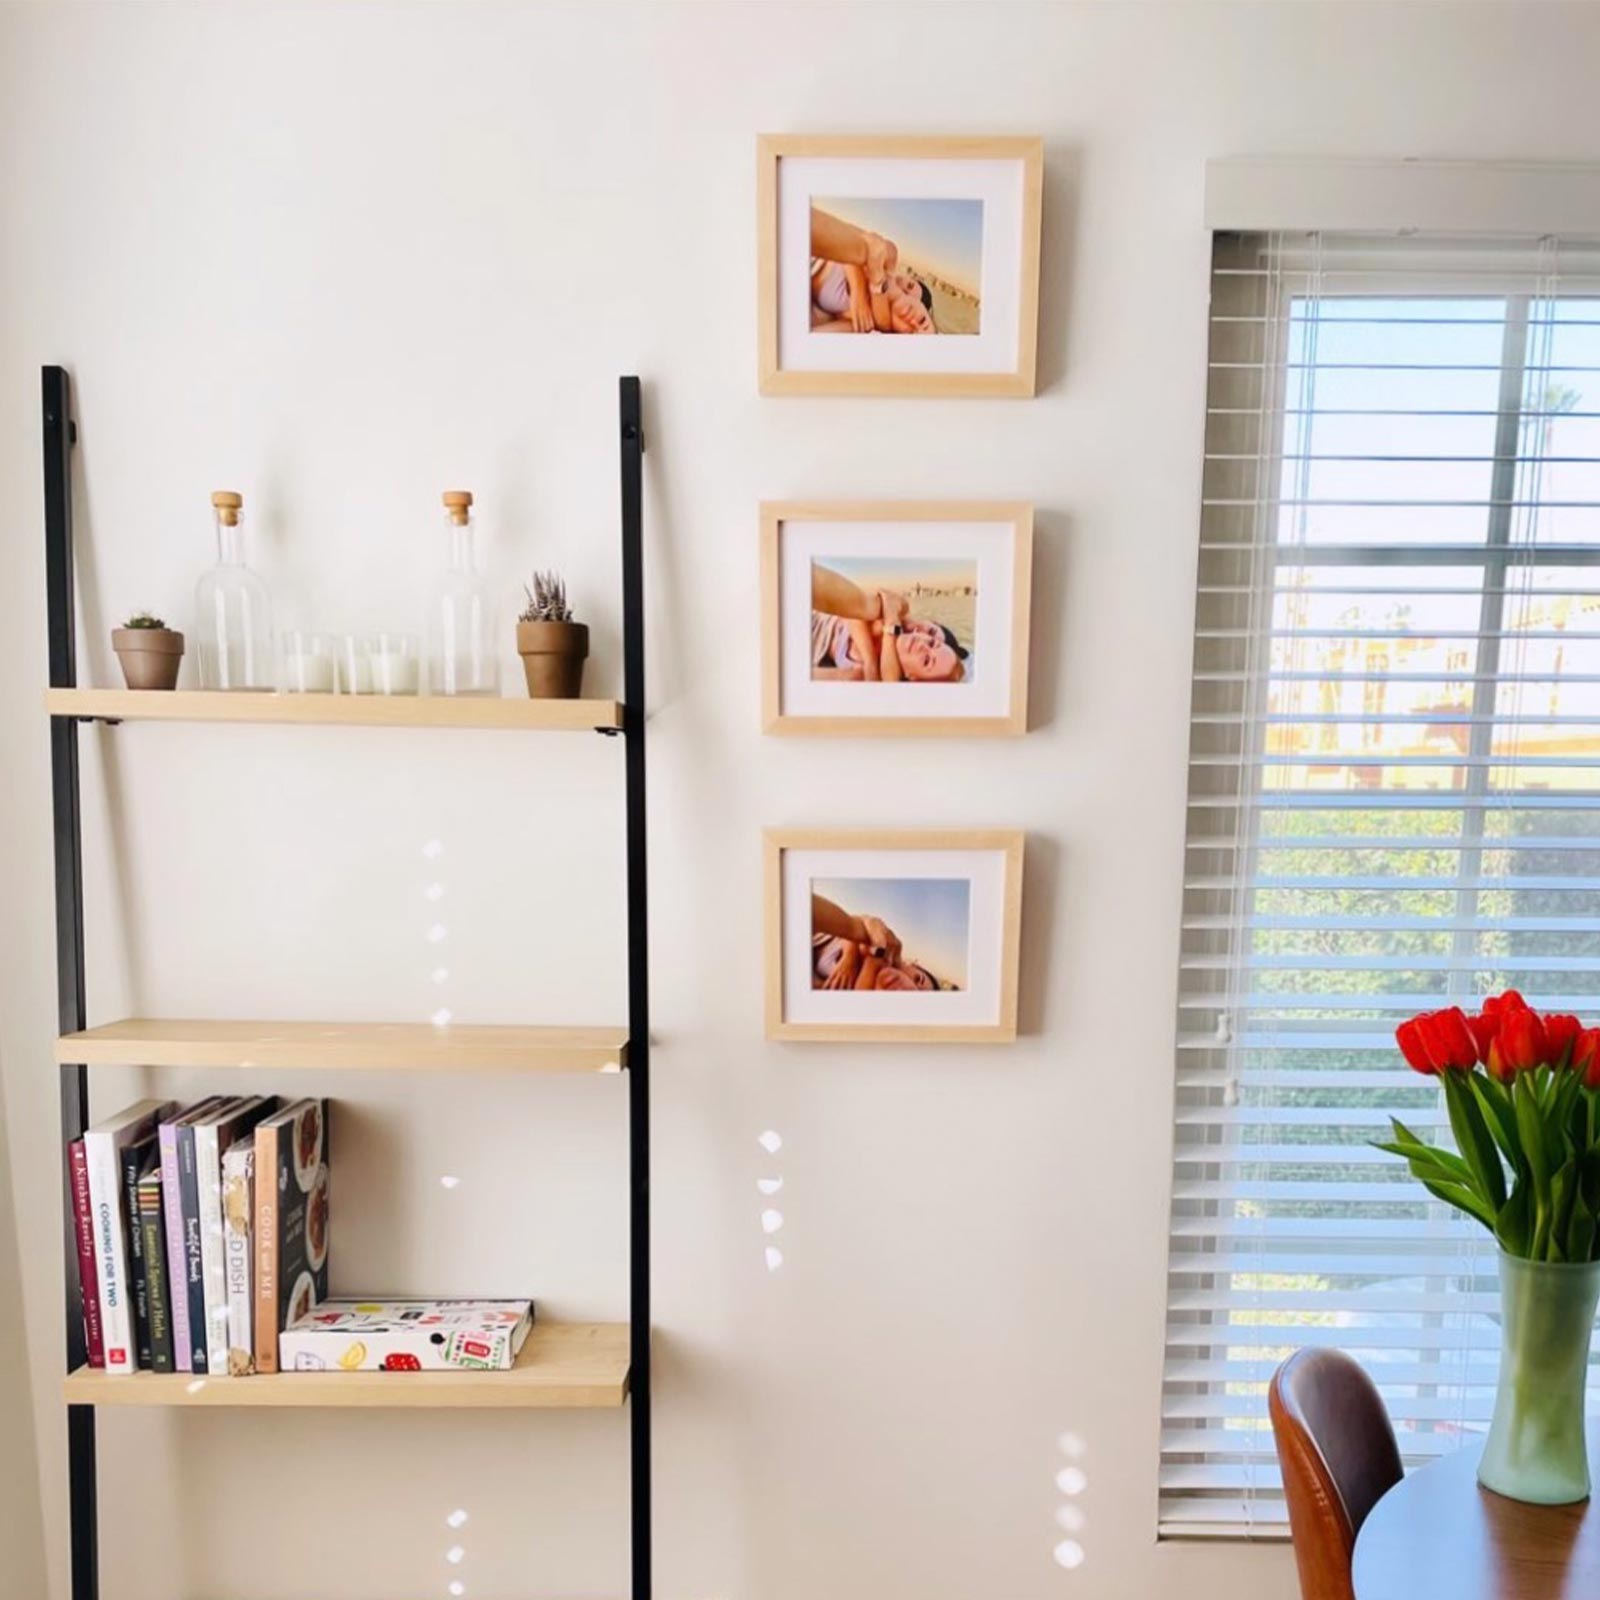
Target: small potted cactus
pixel 149 652
pixel 553 647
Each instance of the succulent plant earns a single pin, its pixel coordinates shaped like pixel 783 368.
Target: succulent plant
pixel 144 619
pixel 547 599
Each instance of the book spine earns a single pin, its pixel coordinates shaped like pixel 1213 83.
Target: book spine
pixel 153 1231
pixel 213 1280
pixel 238 1169
pixel 110 1251
pixel 138 1282
pixel 188 1273
pixel 172 1210
pixel 266 1320
pixel 88 1282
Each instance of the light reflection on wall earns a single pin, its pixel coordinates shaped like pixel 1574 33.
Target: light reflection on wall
pixel 771 1217
pixel 1071 1480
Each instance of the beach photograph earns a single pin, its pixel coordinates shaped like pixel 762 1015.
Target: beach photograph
pixel 937 238
pixel 896 266
pixel 890 935
pixel 932 600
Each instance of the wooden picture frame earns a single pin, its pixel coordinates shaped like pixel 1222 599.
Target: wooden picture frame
pixel 1004 363
pixel 999 535
pixel 989 860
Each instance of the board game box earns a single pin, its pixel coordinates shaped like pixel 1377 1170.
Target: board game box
pixel 406 1336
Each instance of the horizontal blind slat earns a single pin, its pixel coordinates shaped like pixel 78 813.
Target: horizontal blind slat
pixel 1400 1005
pixel 1406 963
pixel 1413 1336
pixel 1390 842
pixel 1268 1155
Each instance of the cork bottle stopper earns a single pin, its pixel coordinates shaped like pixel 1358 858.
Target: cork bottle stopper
pixel 227 504
pixel 457 502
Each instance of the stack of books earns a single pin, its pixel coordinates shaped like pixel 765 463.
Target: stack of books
pixel 202 1232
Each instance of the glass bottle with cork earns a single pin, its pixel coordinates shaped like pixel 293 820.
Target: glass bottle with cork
pixel 462 657
pixel 233 611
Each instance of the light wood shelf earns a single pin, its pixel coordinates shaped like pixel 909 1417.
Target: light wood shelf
pixel 336 710
pixel 571 1365
pixel 360 1046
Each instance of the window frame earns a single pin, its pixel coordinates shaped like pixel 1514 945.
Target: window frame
pixel 1495 559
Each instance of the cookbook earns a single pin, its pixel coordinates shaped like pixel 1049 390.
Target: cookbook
pixel 291 1223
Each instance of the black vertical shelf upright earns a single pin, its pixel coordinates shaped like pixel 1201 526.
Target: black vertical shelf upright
pixel 633 726
pixel 59 438
pixel 60 433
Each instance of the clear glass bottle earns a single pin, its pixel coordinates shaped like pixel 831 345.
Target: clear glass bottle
pixel 233 612
pixel 463 655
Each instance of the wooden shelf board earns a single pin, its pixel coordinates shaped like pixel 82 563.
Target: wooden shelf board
pixel 562 1365
pixel 338 710
pixel 414 1046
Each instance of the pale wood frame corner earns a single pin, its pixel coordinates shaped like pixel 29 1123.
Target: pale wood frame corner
pixel 774 513
pixel 1010 841
pixel 772 379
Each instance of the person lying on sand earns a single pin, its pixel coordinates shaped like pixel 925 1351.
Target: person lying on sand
pixel 842 301
pixel 854 288
pixel 857 637
pixel 843 964
pixel 851 952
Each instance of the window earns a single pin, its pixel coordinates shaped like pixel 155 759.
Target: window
pixel 1394 803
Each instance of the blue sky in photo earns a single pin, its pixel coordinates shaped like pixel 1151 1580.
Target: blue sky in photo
pixel 932 916
pixel 945 236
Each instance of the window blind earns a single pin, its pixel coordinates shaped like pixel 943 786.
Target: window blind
pixel 1393 804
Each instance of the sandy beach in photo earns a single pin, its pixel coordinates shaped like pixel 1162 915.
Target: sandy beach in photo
pixel 939 243
pixel 954 310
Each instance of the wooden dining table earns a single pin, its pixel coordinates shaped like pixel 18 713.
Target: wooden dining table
pixel 1438 1535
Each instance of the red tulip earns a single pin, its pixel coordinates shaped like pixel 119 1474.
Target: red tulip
pixel 1484 1026
pixel 1449 1040
pixel 1520 1044
pixel 1586 1057
pixel 1559 1031
pixel 1409 1037
pixel 1438 1041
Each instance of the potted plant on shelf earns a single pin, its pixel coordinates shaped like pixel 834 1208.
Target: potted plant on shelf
pixel 148 651
pixel 553 647
pixel 1523 1095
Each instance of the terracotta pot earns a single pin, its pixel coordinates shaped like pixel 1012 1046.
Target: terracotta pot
pixel 150 657
pixel 553 654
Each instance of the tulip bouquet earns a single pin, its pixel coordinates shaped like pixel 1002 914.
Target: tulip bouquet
pixel 1527 1126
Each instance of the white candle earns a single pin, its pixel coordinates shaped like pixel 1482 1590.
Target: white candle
pixel 306 673
pixel 356 671
pixel 392 672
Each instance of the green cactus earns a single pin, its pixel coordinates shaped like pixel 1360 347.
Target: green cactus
pixel 144 619
pixel 547 599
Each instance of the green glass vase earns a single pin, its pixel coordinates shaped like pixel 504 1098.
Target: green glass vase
pixel 1536 1450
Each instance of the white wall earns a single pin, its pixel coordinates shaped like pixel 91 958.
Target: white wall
pixel 21 1528
pixel 340 258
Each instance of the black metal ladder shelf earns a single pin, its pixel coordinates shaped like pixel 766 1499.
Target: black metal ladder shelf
pixel 599 1374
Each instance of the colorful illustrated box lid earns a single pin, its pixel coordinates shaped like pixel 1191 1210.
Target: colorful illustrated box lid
pixel 348 1335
